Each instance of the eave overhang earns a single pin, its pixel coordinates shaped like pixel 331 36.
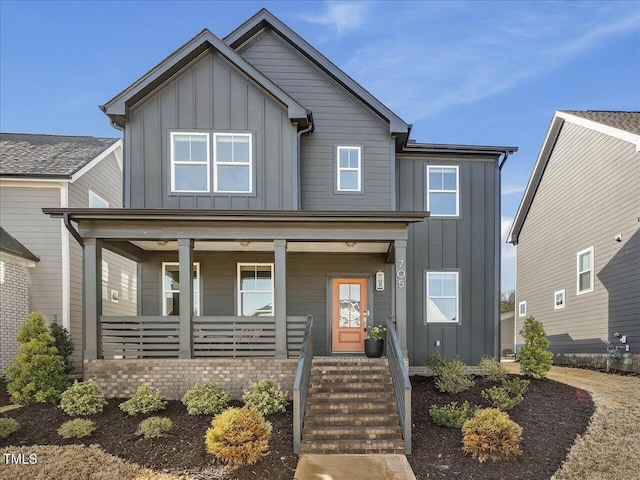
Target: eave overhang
pixel 440 148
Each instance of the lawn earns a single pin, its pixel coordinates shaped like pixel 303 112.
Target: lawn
pixel 552 416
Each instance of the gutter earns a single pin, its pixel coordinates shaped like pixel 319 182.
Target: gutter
pixel 504 159
pixel 66 217
pixel 304 131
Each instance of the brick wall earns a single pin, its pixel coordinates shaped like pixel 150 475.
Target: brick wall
pixel 14 307
pixel 173 377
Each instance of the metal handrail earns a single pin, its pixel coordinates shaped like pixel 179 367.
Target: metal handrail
pixel 301 384
pixel 401 382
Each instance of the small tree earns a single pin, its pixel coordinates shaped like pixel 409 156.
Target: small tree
pixel 63 344
pixel 38 373
pixel 535 359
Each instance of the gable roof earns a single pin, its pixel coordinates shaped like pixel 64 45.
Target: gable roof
pixel 117 109
pixel 264 18
pixel 50 156
pixel 10 245
pixel 622 125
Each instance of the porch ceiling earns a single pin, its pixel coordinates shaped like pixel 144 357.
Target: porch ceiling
pixel 260 246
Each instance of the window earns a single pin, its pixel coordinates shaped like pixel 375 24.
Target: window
pixel 585 271
pixel 255 290
pixel 442 191
pixel 558 299
pixel 189 162
pixel 349 171
pixel 96 201
pixel 522 309
pixel 442 297
pixel 171 289
pixel 233 162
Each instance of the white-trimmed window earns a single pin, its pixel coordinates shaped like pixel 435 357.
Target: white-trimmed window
pixel 585 261
pixel 443 197
pixel 233 162
pixel 189 162
pixel 171 288
pixel 522 309
pixel 349 169
pixel 96 201
pixel 442 296
pixel 255 289
pixel 559 299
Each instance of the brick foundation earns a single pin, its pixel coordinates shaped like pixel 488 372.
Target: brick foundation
pixel 14 307
pixel 630 362
pixel 173 377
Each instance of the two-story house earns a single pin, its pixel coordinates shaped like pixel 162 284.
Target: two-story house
pixel 262 185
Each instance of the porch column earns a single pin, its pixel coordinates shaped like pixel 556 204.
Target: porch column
pixel 401 293
pixel 185 276
pixel 280 296
pixel 92 264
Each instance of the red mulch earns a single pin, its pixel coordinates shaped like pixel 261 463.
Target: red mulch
pixel 552 415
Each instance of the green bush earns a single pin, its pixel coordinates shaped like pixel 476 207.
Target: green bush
pixel 144 400
pixel 8 426
pixel 265 397
pixel 63 344
pixel 516 386
pixel 205 399
pixel 154 427
pixel 78 428
pixel 238 437
pixel 38 373
pixel 436 362
pixel 491 369
pixel 535 359
pixel 451 415
pixel 82 399
pixel 451 378
pixel 491 434
pixel 510 394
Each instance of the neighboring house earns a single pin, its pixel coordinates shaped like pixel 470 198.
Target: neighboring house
pixel 284 189
pixel 16 261
pixel 507 334
pixel 577 234
pixel 56 171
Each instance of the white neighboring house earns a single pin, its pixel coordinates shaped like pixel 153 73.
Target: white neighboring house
pixel 38 171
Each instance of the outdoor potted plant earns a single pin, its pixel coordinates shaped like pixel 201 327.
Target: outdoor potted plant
pixel 374 343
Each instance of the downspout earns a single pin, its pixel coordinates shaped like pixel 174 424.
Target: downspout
pixel 67 223
pixel 304 131
pixel 504 159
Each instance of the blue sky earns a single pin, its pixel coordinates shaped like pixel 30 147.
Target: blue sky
pixel 462 72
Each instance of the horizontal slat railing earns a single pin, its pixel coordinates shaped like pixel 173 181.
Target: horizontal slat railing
pixel 295 334
pixel 234 336
pixel 139 337
pixel 301 384
pixel 401 382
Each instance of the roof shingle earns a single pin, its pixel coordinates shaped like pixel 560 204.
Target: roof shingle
pixel 627 121
pixel 10 245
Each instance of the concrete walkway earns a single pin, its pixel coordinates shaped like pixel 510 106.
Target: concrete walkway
pixel 354 467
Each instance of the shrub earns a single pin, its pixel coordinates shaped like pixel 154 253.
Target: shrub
pixel 240 436
pixel 78 428
pixel 8 426
pixel 436 362
pixel 491 369
pixel 82 399
pixel 451 415
pixel 144 400
pixel 451 378
pixel 491 434
pixel 265 397
pixel 535 359
pixel 154 427
pixel 37 373
pixel 516 386
pixel 510 394
pixel 205 399
pixel 63 344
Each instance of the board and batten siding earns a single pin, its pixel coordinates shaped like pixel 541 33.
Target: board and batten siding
pixel 210 95
pixel 468 244
pixel 589 193
pixel 339 119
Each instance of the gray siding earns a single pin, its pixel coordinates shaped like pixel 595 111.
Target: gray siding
pixel 339 119
pixel 588 194
pixel 507 333
pixel 208 95
pixel 307 285
pixel 467 244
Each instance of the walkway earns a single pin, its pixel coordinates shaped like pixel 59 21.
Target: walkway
pixel 354 467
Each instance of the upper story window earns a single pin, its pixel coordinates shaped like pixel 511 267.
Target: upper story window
pixel 255 289
pixel 171 288
pixel 349 169
pixel 96 201
pixel 522 309
pixel 443 196
pixel 585 270
pixel 442 297
pixel 233 162
pixel 558 299
pixel 189 162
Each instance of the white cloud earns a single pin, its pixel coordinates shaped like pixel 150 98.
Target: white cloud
pixel 512 189
pixel 342 16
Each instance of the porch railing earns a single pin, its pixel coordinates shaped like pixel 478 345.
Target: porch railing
pixel 139 337
pixel 301 384
pixel 401 382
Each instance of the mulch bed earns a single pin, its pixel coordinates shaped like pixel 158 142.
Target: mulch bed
pixel 552 415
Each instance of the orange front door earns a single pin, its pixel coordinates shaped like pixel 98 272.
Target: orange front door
pixel 348 312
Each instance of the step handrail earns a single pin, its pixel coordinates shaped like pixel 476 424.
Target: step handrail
pixel 401 382
pixel 301 384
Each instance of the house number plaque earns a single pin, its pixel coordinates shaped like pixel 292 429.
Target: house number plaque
pixel 401 274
